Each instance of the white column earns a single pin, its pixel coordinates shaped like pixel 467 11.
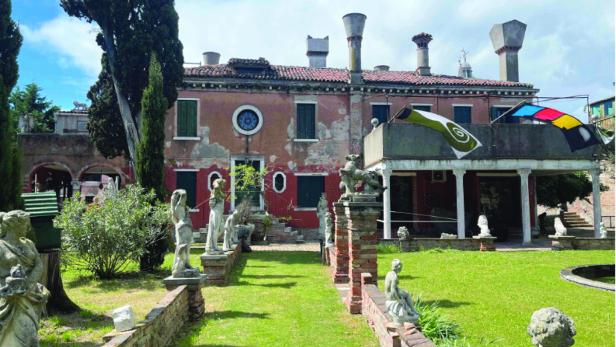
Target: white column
pixel 386 173
pixel 535 230
pixel 596 201
pixel 526 239
pixel 460 201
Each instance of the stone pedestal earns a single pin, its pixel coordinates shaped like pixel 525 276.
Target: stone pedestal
pixel 196 304
pixel 486 243
pixel 405 245
pixel 341 245
pixel 362 241
pixel 216 267
pixel 561 243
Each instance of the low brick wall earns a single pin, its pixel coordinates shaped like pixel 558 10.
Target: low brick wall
pixel 217 268
pixel 588 243
pixel 389 335
pixel 160 326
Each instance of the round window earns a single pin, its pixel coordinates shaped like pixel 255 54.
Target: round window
pixel 247 120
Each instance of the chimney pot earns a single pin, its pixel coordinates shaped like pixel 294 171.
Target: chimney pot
pixel 507 39
pixel 423 57
pixel 211 58
pixel 354 27
pixel 317 50
pixel 381 68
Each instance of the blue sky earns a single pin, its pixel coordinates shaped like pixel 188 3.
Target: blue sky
pixel 568 48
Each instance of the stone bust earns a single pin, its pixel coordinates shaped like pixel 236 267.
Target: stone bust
pixel 22 298
pixel 399 302
pixel 403 233
pixel 549 327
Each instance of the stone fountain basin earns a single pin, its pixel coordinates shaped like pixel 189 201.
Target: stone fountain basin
pixel 586 275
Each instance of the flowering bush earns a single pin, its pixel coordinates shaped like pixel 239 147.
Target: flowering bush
pixel 103 237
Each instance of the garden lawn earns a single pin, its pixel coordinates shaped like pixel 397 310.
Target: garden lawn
pixel 278 299
pixel 492 295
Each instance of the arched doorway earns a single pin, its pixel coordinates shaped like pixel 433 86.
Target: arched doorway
pixel 93 177
pixel 52 176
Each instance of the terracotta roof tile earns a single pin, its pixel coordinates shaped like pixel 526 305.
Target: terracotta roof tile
pixel 300 73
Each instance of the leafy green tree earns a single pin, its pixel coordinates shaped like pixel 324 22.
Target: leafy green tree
pixel 130 31
pixel 31 104
pixel 10 159
pixel 558 190
pixel 150 150
pixel 150 156
pixel 104 119
pixel 103 238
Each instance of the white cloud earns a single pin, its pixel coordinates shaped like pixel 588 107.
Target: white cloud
pixel 71 41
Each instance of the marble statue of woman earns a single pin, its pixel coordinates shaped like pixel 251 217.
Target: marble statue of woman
pixel 482 223
pixel 217 208
pixel 329 230
pixel 321 214
pixel 22 298
pixel 398 302
pixel 229 236
pixel 183 236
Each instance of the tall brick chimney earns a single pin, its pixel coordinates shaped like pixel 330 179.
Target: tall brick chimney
pixel 354 27
pixel 210 58
pixel 507 39
pixel 423 57
pixel 317 50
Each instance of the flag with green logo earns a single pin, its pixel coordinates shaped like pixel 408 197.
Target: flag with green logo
pixel 461 141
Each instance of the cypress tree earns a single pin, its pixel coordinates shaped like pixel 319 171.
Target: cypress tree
pixel 10 168
pixel 150 157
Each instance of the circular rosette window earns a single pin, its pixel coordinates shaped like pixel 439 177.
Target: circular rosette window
pixel 247 120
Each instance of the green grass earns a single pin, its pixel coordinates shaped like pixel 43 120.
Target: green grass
pixel 278 299
pixel 492 295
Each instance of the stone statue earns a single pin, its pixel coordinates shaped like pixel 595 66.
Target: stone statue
pixel 230 236
pixel 329 230
pixel 321 212
pixel 403 233
pixel 482 223
pixel 559 228
pixel 602 231
pixel 217 208
pixel 22 298
pixel 549 327
pixel 375 123
pixel 398 302
pixel 351 176
pixel 183 236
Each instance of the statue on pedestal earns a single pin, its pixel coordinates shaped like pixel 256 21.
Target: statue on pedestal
pixel 230 236
pixel 217 208
pixel 321 213
pixel 559 227
pixel 351 176
pixel 403 233
pixel 549 327
pixel 22 298
pixel 398 302
pixel 329 230
pixel 482 223
pixel 183 236
pixel 602 231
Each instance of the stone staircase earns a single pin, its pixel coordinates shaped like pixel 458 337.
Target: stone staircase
pixel 573 220
pixel 280 233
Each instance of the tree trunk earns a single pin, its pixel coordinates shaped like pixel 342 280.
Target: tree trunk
pixel 132 134
pixel 58 302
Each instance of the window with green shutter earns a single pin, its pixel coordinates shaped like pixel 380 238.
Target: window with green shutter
pixel 186 118
pixel 306 120
pixel 187 180
pixel 309 190
pixel 462 114
pixel 427 108
pixel 380 112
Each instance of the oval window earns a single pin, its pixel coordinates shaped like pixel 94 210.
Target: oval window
pixel 213 176
pixel 280 182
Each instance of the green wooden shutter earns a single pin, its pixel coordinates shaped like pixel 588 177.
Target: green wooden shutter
pixel 306 121
pixel 187 118
pixel 462 114
pixel 309 190
pixel 187 180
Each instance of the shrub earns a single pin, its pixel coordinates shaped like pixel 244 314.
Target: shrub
pixel 103 238
pixel 434 325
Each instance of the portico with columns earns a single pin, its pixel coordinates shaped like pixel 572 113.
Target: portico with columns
pixel 453 200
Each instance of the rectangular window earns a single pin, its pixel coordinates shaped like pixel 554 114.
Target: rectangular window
pixel 306 120
pixel 187 180
pixel 82 125
pixel 309 190
pixel 380 112
pixel 462 114
pixel 427 108
pixel 186 118
pixel 497 111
